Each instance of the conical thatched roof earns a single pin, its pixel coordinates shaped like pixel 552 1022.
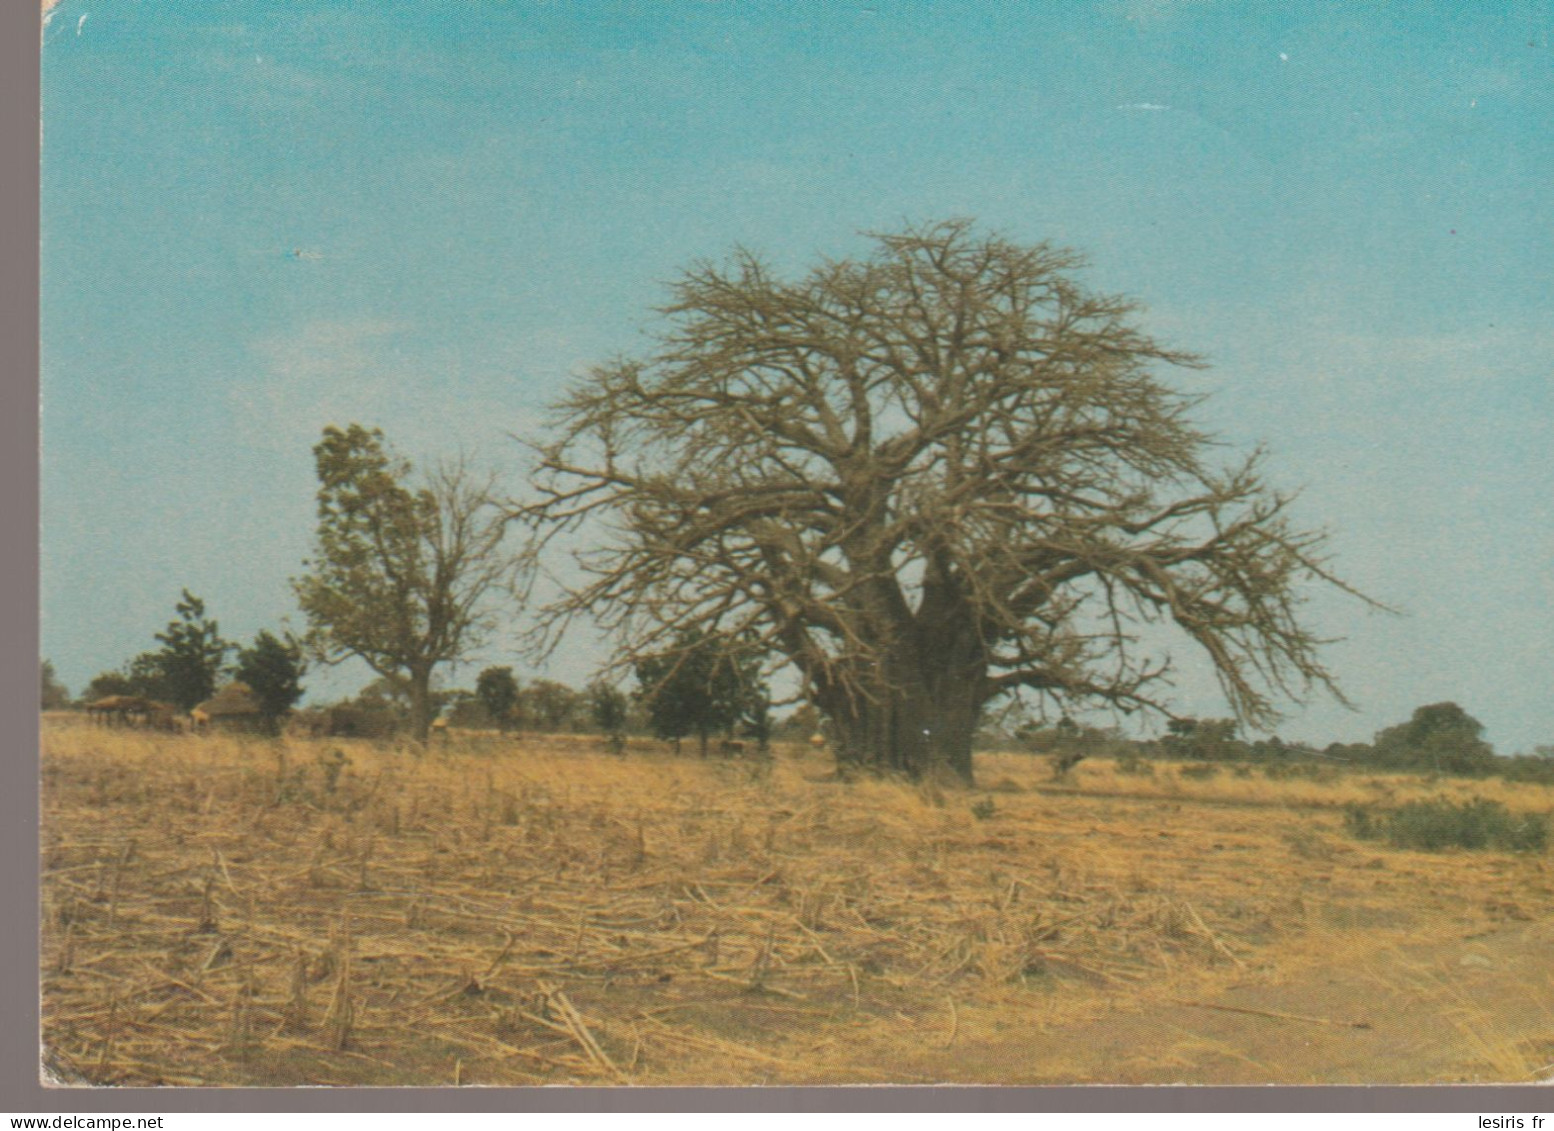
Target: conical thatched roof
pixel 232 700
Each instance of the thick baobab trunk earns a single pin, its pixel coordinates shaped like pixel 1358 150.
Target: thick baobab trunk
pixel 919 711
pixel 921 728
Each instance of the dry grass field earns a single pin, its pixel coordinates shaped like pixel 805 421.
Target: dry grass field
pixel 222 911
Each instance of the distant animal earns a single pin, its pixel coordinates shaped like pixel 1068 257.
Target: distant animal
pixel 817 740
pixel 731 748
pixel 199 720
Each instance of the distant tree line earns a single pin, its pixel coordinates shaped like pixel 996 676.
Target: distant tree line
pixel 700 692
pixel 705 687
pixel 1440 738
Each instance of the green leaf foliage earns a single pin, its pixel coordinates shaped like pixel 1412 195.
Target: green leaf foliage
pixel 1441 737
pixel 273 670
pixel 704 685
pixel 188 667
pixel 497 690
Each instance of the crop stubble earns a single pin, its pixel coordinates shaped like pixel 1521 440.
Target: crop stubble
pixel 223 911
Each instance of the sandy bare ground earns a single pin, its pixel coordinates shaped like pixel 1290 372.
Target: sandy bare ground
pixel 1473 1009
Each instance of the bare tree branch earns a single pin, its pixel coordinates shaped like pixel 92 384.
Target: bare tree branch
pixel 923 479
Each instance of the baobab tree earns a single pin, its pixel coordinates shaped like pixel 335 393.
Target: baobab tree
pixel 926 478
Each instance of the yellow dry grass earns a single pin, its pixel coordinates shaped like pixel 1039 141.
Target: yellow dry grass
pixel 1494 1053
pixel 511 911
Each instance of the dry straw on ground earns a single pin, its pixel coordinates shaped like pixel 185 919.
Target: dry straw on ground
pixel 225 911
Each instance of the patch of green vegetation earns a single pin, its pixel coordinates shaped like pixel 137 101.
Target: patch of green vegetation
pixel 1432 826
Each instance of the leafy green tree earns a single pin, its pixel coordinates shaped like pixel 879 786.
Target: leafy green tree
pixel 704 685
pixel 467 711
pixel 1441 737
pixel 391 697
pixel 926 478
pixel 187 668
pixel 609 709
pixel 404 571
pixel 1215 740
pixel 497 690
pixel 273 670
pixel 455 704
pixel 148 677
pixel 106 684
pixel 551 706
pixel 54 694
pixel 1211 739
pixel 1535 767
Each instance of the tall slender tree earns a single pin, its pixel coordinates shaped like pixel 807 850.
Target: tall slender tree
pixel 405 570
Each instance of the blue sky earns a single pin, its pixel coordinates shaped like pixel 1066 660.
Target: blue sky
pixel 1347 211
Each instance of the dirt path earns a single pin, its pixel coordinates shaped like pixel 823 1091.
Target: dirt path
pixel 1476 1009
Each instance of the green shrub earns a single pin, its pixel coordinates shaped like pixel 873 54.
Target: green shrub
pixel 1432 826
pixel 1200 772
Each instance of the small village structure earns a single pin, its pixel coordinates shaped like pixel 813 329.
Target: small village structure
pixel 233 709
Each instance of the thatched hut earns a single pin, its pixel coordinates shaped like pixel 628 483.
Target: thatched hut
pixel 119 710
pixel 233 709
